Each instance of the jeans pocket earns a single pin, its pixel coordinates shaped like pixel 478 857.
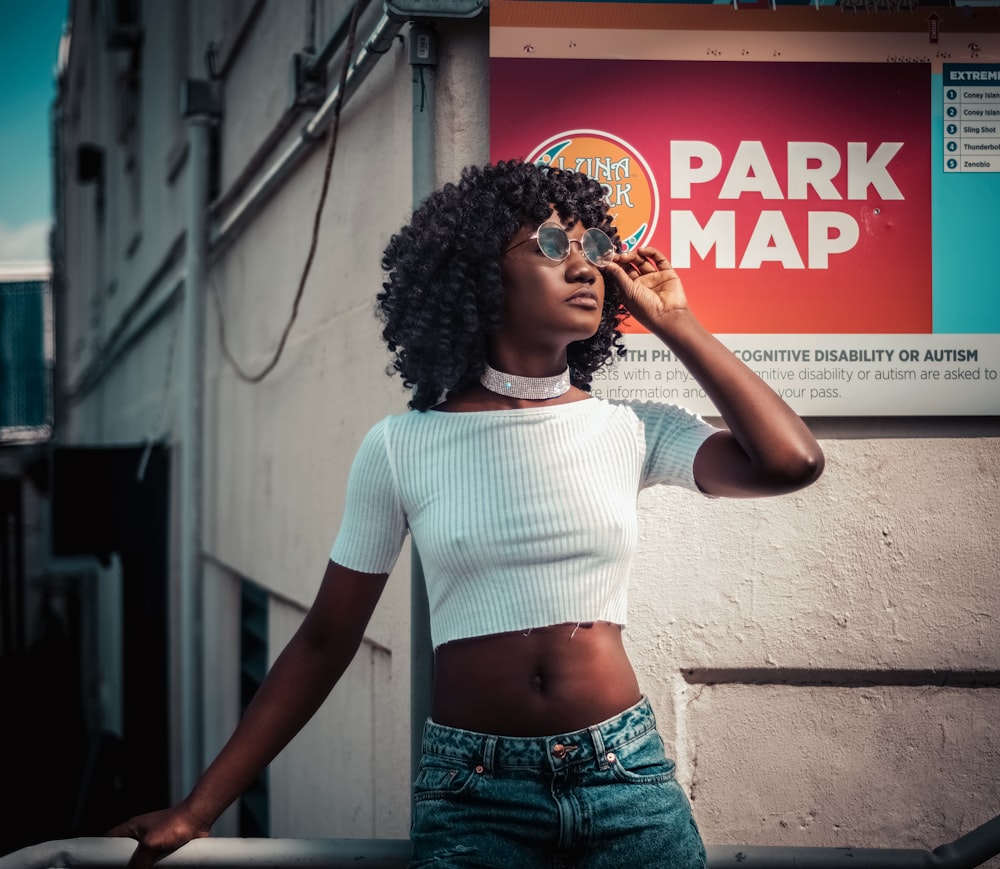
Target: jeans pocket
pixel 439 778
pixel 642 762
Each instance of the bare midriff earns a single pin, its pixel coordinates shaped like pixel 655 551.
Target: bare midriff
pixel 541 682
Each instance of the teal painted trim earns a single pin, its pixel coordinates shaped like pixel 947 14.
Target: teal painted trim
pixel 965 228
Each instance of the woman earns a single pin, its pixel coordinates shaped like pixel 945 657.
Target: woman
pixel 502 298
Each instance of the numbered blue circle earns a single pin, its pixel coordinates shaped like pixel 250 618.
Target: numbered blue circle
pixel 952 146
pixel 952 163
pixel 952 111
pixel 951 94
pixel 952 129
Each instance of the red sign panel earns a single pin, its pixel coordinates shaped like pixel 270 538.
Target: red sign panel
pixel 794 197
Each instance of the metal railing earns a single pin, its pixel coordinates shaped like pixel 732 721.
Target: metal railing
pixel 972 849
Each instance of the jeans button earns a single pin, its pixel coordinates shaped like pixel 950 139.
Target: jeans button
pixel 559 751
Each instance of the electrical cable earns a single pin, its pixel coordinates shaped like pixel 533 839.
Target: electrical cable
pixel 331 150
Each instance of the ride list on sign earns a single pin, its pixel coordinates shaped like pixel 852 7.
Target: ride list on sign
pixel 971 117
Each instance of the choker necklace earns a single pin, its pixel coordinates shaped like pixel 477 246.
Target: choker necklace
pixel 515 386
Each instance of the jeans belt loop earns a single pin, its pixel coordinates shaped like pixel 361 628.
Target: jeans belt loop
pixel 599 752
pixel 489 753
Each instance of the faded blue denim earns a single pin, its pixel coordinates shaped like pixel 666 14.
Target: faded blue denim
pixel 598 798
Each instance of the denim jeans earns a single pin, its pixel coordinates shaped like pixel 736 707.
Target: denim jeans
pixel 600 797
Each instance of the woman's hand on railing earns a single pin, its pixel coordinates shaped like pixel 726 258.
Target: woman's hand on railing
pixel 160 833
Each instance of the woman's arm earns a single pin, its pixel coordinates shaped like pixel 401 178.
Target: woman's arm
pixel 768 450
pixel 296 685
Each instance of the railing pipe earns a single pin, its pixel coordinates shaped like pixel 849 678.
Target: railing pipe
pixel 974 848
pixel 968 851
pixel 778 857
pixel 224 853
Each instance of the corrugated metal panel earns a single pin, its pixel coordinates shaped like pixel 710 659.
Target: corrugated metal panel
pixel 25 359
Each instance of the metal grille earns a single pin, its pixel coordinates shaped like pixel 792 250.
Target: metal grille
pixel 25 359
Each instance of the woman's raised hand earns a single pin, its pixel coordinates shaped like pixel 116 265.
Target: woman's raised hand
pixel 650 286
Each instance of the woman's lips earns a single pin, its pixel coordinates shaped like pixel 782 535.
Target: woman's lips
pixel 584 299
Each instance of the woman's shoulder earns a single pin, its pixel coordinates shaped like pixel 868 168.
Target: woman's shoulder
pixel 403 424
pixel 657 421
pixel 650 410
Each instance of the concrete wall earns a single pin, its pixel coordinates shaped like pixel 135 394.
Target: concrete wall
pixel 826 663
pixel 825 666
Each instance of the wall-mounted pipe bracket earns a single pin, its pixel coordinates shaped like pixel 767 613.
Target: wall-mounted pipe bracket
pixel 309 81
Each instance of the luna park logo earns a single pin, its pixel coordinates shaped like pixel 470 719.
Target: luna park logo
pixel 628 183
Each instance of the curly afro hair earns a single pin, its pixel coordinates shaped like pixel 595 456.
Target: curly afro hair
pixel 443 297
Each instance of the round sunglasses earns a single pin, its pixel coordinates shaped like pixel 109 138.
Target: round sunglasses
pixel 555 243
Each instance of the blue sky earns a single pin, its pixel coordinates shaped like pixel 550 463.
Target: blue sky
pixel 29 44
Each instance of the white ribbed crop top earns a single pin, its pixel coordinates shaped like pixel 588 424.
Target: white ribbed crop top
pixel 523 518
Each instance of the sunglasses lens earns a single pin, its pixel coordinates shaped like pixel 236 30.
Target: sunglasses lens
pixel 553 242
pixel 598 248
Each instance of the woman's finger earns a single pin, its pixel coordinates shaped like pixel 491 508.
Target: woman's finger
pixel 142 858
pixel 657 257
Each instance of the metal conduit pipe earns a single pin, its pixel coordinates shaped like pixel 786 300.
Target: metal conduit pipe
pixel 157 297
pixel 158 294
pixel 423 61
pixel 227 227
pixel 329 49
pixel 200 114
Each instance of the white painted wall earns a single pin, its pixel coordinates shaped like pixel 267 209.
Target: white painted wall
pixel 881 580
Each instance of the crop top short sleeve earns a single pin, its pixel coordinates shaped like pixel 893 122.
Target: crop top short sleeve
pixel 523 518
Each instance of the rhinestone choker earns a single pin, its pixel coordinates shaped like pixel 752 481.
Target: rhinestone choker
pixel 534 388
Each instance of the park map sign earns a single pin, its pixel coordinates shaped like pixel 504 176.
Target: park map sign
pixel 831 202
